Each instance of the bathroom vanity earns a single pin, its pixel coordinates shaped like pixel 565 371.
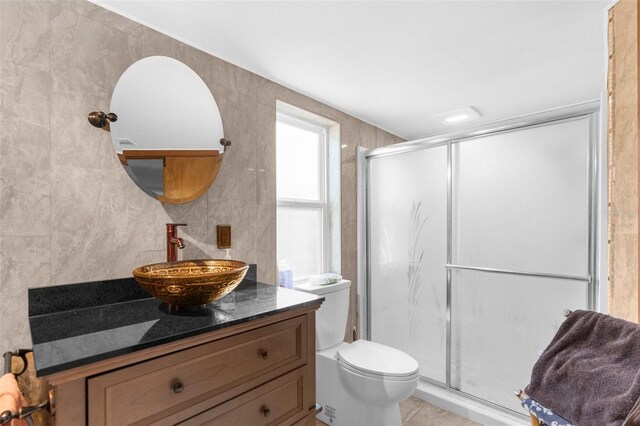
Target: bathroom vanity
pixel 123 359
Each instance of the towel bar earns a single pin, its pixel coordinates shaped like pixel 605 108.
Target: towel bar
pixel 47 406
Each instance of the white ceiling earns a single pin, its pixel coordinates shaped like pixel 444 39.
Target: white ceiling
pixel 396 64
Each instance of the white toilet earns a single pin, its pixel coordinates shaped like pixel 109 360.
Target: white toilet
pixel 359 383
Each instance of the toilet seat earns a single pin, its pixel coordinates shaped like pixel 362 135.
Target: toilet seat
pixel 376 376
pixel 377 361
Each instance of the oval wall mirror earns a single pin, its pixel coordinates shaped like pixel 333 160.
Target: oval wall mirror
pixel 168 132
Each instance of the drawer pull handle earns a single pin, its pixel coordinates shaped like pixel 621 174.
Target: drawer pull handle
pixel 177 386
pixel 265 354
pixel 266 411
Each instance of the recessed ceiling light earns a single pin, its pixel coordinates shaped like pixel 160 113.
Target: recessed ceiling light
pixel 458 116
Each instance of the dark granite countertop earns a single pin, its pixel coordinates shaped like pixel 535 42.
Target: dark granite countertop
pixel 79 324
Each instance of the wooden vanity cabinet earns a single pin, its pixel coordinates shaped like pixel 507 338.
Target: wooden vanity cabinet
pixel 261 372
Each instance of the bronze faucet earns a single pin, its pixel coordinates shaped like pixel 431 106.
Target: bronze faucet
pixel 173 241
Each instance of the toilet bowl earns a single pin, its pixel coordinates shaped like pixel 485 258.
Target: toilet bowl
pixel 359 383
pixel 377 373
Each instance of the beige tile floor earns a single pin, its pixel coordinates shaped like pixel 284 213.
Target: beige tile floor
pixel 416 412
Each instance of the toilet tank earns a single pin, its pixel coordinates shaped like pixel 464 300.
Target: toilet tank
pixel 331 318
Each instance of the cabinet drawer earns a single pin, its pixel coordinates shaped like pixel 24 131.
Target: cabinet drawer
pixel 271 404
pixel 152 390
pixel 309 420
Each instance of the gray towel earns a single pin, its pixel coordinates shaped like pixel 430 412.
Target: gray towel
pixel 590 372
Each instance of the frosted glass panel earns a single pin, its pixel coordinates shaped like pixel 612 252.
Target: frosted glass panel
pixel 408 247
pixel 300 239
pixel 498 324
pixel 298 160
pixel 521 199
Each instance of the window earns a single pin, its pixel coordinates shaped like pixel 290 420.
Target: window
pixel 304 208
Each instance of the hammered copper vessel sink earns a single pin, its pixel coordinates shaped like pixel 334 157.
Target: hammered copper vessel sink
pixel 190 283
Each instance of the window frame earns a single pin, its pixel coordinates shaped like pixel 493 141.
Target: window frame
pixel 323 203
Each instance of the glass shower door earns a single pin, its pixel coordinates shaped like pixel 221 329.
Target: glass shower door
pixel 520 251
pixel 476 246
pixel 408 252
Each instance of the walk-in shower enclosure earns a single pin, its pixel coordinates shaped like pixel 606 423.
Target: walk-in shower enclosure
pixel 476 243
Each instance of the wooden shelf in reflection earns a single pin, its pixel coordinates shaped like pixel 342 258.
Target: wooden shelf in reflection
pixel 187 174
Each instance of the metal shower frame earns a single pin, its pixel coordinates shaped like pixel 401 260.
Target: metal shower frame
pixel 589 110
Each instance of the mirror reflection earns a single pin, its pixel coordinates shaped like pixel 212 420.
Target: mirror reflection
pixel 168 132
